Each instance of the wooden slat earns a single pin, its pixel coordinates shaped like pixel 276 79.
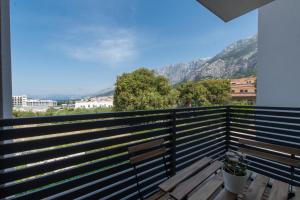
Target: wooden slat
pixel 146 145
pixel 155 196
pixel 208 189
pixel 187 186
pixel 165 197
pixel 257 188
pixel 148 155
pixel 297 193
pixel 274 147
pixel 280 159
pixel 225 195
pixel 279 191
pixel 184 174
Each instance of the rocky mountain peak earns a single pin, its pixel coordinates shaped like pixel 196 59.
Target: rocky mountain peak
pixel 237 60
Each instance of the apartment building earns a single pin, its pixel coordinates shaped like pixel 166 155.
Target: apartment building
pixel 41 103
pixel 23 101
pixel 19 101
pixel 243 88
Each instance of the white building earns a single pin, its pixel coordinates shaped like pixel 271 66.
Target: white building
pixel 41 103
pixel 19 101
pixel 96 102
pixel 24 102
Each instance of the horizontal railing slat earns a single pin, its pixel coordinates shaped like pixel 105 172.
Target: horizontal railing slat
pixel 267 112
pixel 59 176
pixel 15 133
pixel 200 113
pixel 55 165
pixel 288 133
pixel 199 119
pixel 267 124
pixel 266 118
pixel 15 147
pixel 199 124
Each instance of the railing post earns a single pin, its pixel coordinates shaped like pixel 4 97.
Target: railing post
pixel 227 126
pixel 173 144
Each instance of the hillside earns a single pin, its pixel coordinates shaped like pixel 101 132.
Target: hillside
pixel 237 60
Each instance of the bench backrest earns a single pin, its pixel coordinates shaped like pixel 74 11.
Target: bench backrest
pixel 291 161
pixel 144 147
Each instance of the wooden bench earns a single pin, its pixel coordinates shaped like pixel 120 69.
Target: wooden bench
pixel 180 185
pixel 281 189
pixel 203 180
pixel 260 187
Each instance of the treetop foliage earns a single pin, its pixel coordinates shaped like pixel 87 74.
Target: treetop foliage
pixel 143 90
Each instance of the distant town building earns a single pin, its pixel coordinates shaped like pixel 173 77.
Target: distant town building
pixel 243 88
pixel 95 102
pixel 19 101
pixel 40 102
pixel 67 106
pixel 25 104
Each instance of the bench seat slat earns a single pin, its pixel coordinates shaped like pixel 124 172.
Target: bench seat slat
pixel 225 195
pixel 184 174
pixel 208 189
pixel 257 188
pixel 184 188
pixel 156 195
pixel 279 191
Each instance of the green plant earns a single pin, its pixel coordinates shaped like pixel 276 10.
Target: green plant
pixel 235 163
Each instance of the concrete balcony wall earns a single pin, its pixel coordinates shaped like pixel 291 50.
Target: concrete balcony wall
pixel 278 78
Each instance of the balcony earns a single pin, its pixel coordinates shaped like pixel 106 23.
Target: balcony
pixel 86 157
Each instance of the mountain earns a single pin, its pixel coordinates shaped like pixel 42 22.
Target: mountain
pixel 178 72
pixel 105 92
pixel 237 60
pixel 57 97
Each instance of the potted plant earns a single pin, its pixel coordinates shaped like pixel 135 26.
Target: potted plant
pixel 234 172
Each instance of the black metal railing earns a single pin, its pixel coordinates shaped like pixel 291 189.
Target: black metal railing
pixel 275 125
pixel 85 156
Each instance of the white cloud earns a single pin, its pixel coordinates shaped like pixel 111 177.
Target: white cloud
pixel 101 45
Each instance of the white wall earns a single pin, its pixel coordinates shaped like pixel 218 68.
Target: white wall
pixel 278 71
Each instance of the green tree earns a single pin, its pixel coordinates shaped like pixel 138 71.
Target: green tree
pixel 192 94
pixel 143 90
pixel 218 91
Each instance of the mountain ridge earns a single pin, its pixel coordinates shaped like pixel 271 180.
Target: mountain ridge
pixel 239 59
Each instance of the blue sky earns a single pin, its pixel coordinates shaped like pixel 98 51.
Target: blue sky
pixel 80 46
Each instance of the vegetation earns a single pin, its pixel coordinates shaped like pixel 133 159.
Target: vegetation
pixel 204 93
pixel 54 112
pixel 218 91
pixel 192 94
pixel 143 90
pixel 235 163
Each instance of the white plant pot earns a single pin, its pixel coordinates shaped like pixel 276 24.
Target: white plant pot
pixel 234 184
